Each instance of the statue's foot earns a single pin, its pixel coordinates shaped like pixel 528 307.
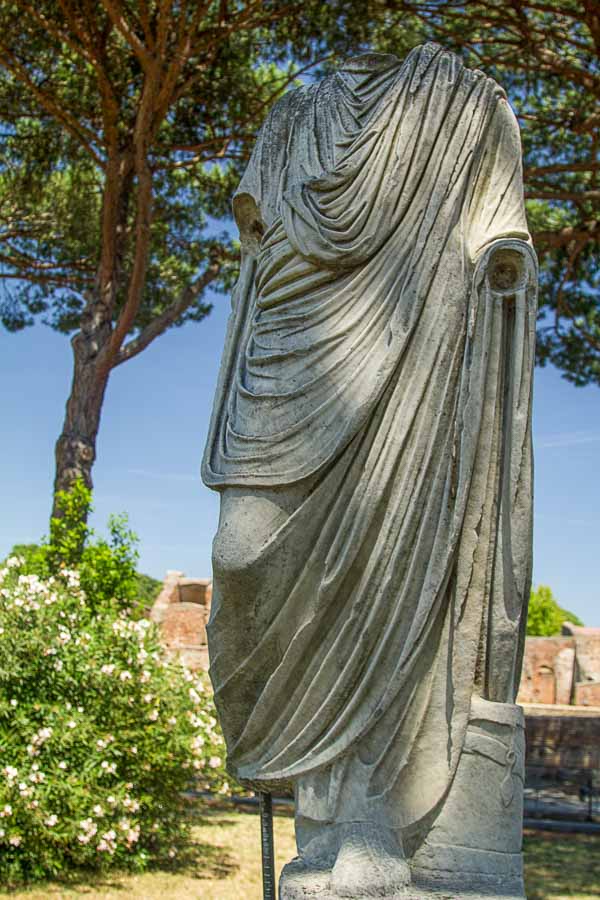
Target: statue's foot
pixel 370 863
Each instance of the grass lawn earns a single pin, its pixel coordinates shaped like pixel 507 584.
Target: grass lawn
pixel 226 866
pixel 558 866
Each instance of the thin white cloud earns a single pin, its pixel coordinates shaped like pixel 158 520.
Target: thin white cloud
pixel 567 439
pixel 165 476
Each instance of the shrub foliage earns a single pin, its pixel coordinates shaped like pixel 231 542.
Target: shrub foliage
pixel 545 617
pixel 99 733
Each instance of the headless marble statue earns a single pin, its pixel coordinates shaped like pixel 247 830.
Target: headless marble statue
pixel 371 443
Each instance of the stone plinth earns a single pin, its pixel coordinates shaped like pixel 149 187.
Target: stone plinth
pixel 300 883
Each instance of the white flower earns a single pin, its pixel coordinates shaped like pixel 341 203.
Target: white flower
pixel 133 750
pixel 145 676
pixel 51 820
pixel 7 811
pixel 214 762
pixel 172 720
pixel 172 853
pixel 10 772
pixel 14 702
pixel 13 561
pixel 62 765
pixel 125 675
pixel 111 800
pixel 153 716
pixel 42 735
pixel 2 832
pixel 148 698
pixel 71 724
pixel 107 669
pixel 98 811
pixel 58 665
pixel 100 744
pixel 194 696
pixel 15 840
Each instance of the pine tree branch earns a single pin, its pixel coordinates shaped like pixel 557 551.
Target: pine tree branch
pixel 117 12
pixel 83 135
pixel 169 315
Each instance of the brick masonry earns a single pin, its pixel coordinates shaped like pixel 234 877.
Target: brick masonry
pixel 562 670
pixel 181 610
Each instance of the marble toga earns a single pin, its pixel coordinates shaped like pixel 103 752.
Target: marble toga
pixel 375 394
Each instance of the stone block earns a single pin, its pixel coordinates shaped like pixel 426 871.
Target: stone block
pixel 587 693
pixel 195 590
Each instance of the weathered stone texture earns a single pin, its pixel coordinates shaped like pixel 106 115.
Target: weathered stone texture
pixel 371 445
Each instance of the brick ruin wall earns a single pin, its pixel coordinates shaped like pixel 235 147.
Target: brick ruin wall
pixel 562 670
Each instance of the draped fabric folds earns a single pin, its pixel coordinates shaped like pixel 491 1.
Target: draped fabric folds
pixel 370 357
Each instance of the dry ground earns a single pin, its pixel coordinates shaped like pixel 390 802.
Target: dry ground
pixel 227 867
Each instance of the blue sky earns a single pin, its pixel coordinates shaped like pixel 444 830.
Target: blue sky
pixel 152 435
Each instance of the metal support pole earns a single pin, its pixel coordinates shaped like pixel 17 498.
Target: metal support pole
pixel 266 840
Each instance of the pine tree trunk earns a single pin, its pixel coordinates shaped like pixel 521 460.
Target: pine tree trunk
pixel 75 450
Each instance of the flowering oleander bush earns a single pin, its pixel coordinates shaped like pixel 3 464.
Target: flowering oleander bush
pixel 99 733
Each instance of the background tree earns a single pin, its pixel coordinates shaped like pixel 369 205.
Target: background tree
pixel 125 124
pixel 545 617
pixel 546 54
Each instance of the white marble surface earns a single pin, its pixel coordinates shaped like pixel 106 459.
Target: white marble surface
pixel 371 443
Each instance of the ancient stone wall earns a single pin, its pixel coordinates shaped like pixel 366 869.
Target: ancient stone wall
pixel 181 610
pixel 562 670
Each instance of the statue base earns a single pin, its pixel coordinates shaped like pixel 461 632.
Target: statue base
pixel 473 848
pixel 300 882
